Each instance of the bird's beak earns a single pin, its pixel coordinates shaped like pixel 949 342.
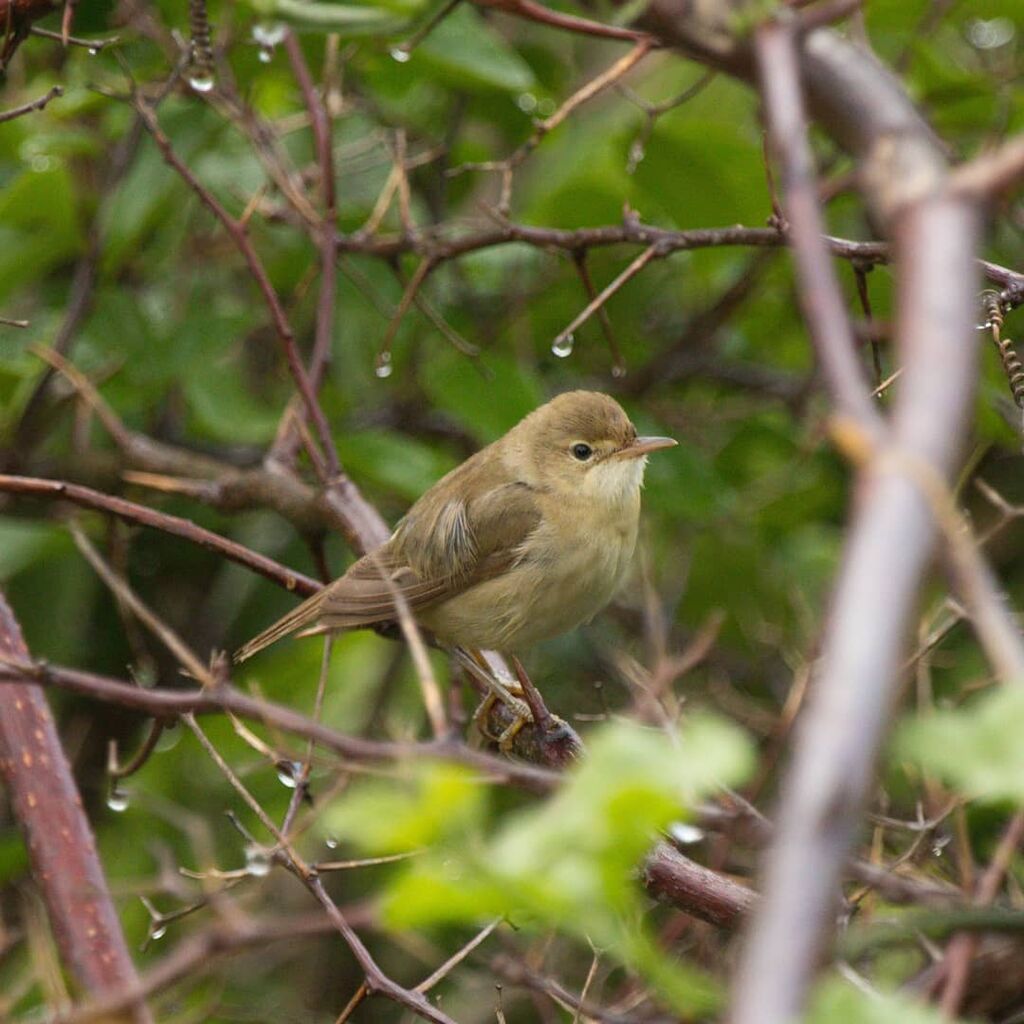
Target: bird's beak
pixel 643 445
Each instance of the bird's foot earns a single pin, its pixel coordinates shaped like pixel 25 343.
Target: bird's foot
pixel 518 709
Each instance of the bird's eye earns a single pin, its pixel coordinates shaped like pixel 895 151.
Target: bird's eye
pixel 581 451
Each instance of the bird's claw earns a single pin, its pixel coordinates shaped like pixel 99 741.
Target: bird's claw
pixel 520 711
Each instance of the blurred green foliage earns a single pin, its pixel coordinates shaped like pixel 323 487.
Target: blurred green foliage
pixel 744 519
pixel 566 864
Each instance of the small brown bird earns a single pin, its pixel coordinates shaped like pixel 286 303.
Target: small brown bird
pixel 527 539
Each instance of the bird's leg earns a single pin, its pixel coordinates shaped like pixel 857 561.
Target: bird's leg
pixel 549 741
pixel 497 691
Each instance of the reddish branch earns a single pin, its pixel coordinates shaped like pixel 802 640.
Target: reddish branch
pixel 695 889
pixel 58 837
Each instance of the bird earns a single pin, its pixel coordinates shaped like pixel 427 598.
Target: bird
pixel 525 540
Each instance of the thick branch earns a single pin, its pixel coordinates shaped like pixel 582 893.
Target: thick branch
pixel 59 839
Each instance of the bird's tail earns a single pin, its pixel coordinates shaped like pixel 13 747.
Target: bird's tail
pixel 306 614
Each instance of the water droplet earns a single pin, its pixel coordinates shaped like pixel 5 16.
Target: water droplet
pixel 685 834
pixel 990 34
pixel 201 80
pixel 288 773
pixel 157 933
pixel 331 842
pixel 257 861
pixel 402 56
pixel 637 152
pixel 618 370
pixel 526 102
pixel 383 367
pixel 563 345
pixel 266 54
pixel 93 50
pixel 269 33
pixel 117 799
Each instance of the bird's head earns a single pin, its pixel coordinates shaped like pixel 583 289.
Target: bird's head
pixel 584 442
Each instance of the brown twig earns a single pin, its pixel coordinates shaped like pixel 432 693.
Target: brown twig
pixel 529 10
pixel 320 123
pixel 166 703
pixel 32 105
pixel 130 512
pixel 279 318
pixel 820 297
pixel 957 961
pixel 199 953
pixel 562 339
pixel 987 176
pixel 618 363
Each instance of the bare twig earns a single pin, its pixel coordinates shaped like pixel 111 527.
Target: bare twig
pixel 36 104
pixel 822 301
pixel 634 268
pixel 131 512
pixel 957 961
pixel 168 703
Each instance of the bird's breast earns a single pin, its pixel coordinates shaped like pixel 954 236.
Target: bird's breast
pixel 567 570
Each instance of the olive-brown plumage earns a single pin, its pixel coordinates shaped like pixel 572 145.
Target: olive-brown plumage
pixel 525 540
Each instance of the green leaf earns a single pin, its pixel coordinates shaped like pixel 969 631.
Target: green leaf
pixel 977 749
pixel 438 801
pixel 486 406
pixel 23 543
pixel 394 461
pixel 462 51
pixel 39 226
pixel 837 1000
pixel 229 412
pixel 567 864
pixel 346 19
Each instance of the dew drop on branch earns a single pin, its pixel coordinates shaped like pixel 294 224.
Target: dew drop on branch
pixel 257 861
pixel 563 345
pixel 201 80
pixel 383 367
pixel 117 799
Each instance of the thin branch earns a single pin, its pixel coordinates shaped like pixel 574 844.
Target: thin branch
pixel 819 293
pixel 166 703
pixel 529 10
pixel 957 961
pixel 33 105
pixel 130 512
pixel 991 174
pixel 199 953
pixel 562 339
pixel 240 237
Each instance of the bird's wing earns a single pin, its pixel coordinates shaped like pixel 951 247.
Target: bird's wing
pixel 440 549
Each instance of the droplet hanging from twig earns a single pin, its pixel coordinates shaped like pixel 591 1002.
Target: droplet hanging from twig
pixel 201 74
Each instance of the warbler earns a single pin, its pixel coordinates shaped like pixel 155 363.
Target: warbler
pixel 525 540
